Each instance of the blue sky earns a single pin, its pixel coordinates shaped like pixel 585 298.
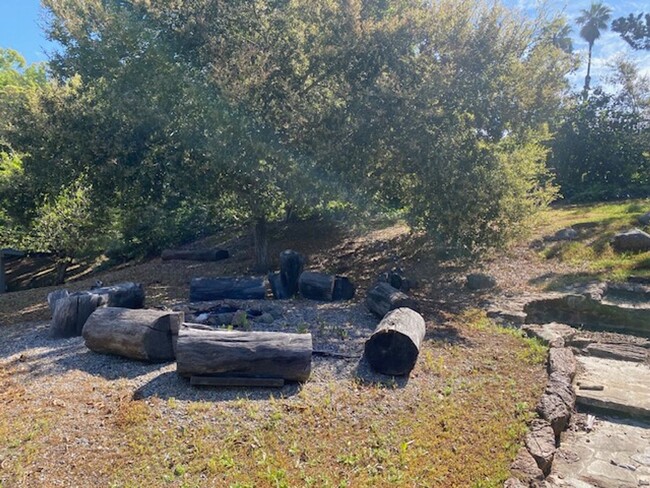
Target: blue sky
pixel 21 21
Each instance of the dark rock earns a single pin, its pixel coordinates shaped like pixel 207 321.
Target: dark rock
pixel 567 234
pixel 540 442
pixel 525 468
pixel 562 361
pixel 621 352
pixel 553 334
pixel 634 240
pixel 644 219
pixel 480 281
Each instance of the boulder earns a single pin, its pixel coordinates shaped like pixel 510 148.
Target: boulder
pixel 480 281
pixel 567 234
pixel 514 483
pixel 644 219
pixel 634 240
pixel 561 361
pixel 540 442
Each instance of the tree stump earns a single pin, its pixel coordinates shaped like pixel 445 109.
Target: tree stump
pixel 291 267
pixel 54 297
pixel 207 289
pixel 71 312
pixel 195 254
pixel 382 298
pixel 324 287
pixel 243 354
pixel 145 335
pixel 394 346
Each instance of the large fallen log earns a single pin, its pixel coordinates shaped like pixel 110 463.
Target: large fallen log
pixel 394 346
pixel 72 311
pixel 124 295
pixel 145 335
pixel 206 289
pixel 243 354
pixel 195 254
pixel 382 298
pixel 324 287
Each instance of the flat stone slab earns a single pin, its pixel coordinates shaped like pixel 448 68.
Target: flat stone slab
pixel 625 386
pixel 615 454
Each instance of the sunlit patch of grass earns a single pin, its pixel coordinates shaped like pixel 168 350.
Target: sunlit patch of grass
pixel 596 226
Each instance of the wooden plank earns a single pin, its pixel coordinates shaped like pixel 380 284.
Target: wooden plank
pixel 236 381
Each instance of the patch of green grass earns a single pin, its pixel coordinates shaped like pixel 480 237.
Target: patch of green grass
pixel 596 225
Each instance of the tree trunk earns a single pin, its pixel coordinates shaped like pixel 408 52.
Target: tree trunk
pixel 382 298
pixel 243 354
pixel 3 278
pixel 195 254
pixel 145 335
pixel 71 313
pixel 61 268
pixel 588 77
pixel 261 241
pixel 207 289
pixel 394 346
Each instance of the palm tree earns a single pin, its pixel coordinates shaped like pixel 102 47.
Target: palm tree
pixel 592 21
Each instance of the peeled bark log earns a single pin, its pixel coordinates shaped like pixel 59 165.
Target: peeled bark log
pixel 123 295
pixel 145 335
pixel 71 313
pixel 394 346
pixel 244 354
pixel 207 289
pixel 195 254
pixel 54 297
pixel 383 298
pixel 291 267
pixel 324 287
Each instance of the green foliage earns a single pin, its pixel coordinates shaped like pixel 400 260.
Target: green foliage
pixel 634 29
pixel 600 151
pixel 68 224
pixel 166 108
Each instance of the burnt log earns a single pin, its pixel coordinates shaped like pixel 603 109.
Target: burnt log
pixel 279 290
pixel 195 254
pixel 394 346
pixel 145 335
pixel 382 298
pixel 72 311
pixel 243 354
pixel 123 295
pixel 207 289
pixel 324 287
pixel 291 267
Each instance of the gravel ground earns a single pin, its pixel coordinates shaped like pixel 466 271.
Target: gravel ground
pixel 339 331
